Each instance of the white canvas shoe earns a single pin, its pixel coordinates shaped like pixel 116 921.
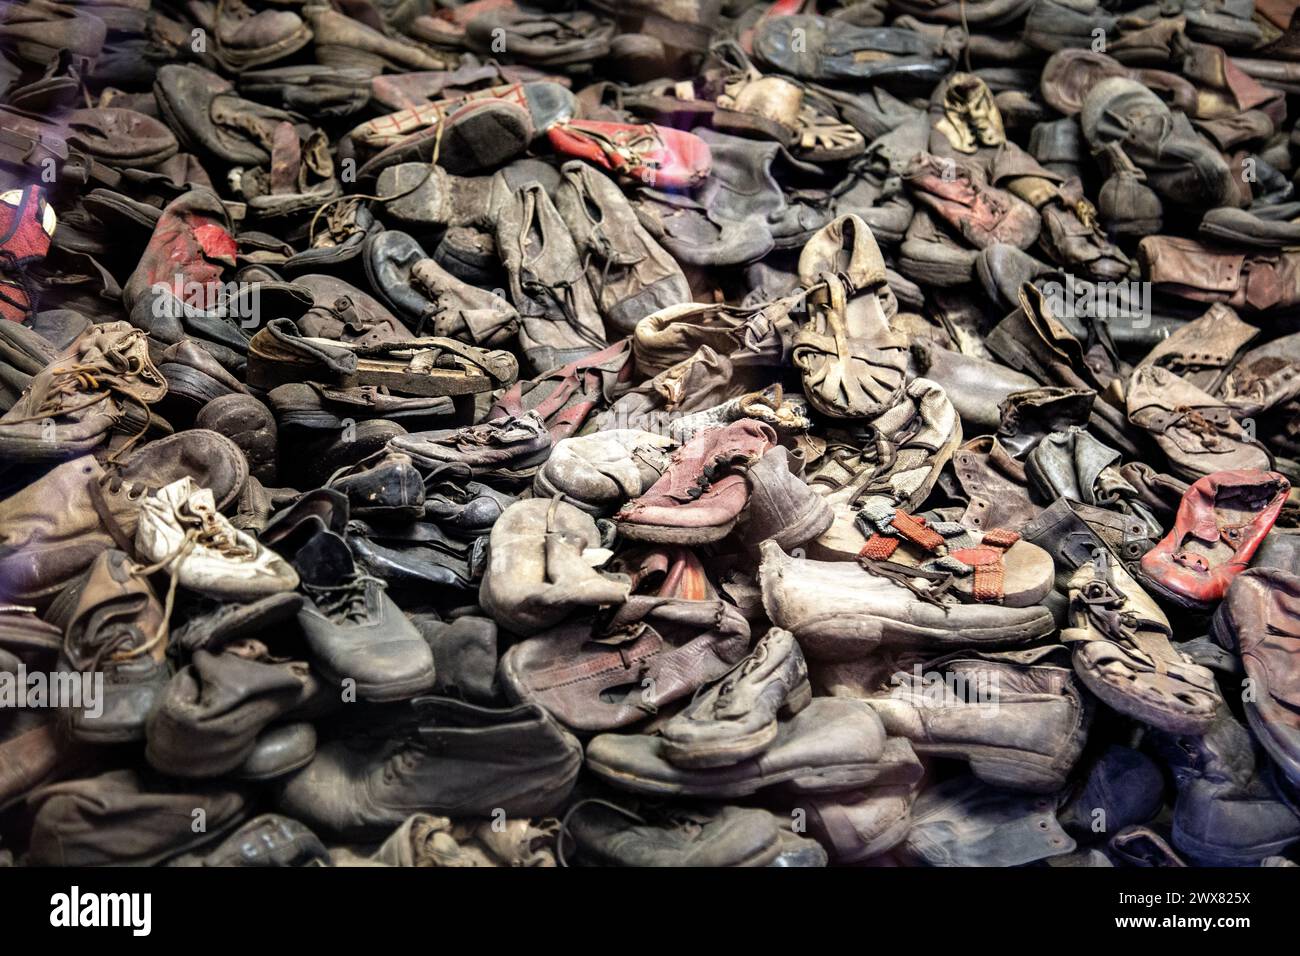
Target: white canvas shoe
pixel 182 532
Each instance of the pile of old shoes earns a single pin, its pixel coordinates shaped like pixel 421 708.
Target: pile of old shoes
pixel 620 434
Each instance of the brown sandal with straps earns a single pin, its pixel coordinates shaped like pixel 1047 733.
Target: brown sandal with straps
pixel 989 567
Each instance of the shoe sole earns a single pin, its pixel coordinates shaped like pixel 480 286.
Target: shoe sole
pixel 293 768
pixel 313 420
pixel 1237 237
pixel 1117 701
pixel 889 633
pixel 193 384
pixel 459 143
pixel 801 780
pixel 36 451
pixel 1181 600
pixel 98 737
pixel 387 692
pixel 660 534
pixel 726 754
pixel 250 620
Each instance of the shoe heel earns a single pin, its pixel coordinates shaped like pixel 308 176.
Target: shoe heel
pixel 797 699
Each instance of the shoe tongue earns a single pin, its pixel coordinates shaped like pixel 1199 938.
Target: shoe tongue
pixel 325 560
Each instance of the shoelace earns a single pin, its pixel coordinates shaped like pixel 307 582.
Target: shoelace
pixel 1104 605
pixel 345 602
pixel 610 260
pixel 628 153
pixel 1107 608
pixel 11 266
pixel 877 452
pixel 881 455
pixel 564 294
pixel 905 576
pixel 208 534
pixel 108 651
pixel 1195 422
pixel 94 380
pixel 841 454
pixel 358 197
pixel 561 292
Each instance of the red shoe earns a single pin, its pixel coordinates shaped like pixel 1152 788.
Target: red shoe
pixel 1221 521
pixel 700 496
pixel 781 8
pixel 661 158
pixel 179 275
pixel 26 224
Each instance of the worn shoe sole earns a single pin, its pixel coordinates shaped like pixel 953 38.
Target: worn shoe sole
pixel 310 419
pixel 828 779
pixel 483 139
pixel 1243 238
pixel 384 693
pixel 823 638
pixel 191 383
pixel 661 534
pixel 1181 600
pixel 1162 716
pixel 242 620
pixel 87 734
